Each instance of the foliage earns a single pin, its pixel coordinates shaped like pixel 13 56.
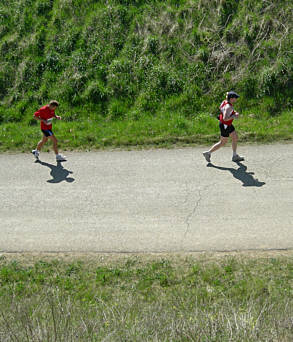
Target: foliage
pixel 127 59
pixel 135 63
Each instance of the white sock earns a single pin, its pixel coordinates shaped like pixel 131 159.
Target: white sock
pixel 234 154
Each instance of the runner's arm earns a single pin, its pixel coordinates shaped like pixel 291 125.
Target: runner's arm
pixel 37 116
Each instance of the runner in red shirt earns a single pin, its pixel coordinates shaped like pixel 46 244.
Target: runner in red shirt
pixel 226 117
pixel 46 114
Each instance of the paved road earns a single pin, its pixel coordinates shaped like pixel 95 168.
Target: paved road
pixel 148 201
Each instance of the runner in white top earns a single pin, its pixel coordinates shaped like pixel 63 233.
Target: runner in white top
pixel 226 117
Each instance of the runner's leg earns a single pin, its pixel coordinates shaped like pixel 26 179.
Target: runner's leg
pixel 234 138
pixel 221 143
pixel 54 140
pixel 42 142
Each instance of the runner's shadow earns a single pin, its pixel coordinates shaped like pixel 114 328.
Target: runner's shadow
pixel 58 173
pixel 245 177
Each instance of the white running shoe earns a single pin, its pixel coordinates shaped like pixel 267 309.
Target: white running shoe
pixel 237 158
pixel 36 153
pixel 60 157
pixel 207 156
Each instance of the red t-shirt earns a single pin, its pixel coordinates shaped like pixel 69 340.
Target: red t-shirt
pixel 223 104
pixel 45 113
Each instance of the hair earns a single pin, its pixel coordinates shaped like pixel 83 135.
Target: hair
pixel 54 103
pixel 229 96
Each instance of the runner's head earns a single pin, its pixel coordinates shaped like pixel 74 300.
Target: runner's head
pixel 231 95
pixel 53 104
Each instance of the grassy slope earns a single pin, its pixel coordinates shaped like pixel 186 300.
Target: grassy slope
pixel 147 298
pixel 135 72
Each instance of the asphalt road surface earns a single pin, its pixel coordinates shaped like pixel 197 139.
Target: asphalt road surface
pixel 148 201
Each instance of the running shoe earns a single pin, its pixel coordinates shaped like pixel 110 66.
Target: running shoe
pixel 36 153
pixel 60 157
pixel 237 158
pixel 207 156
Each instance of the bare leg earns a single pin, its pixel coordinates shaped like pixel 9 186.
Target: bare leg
pixel 54 140
pixel 235 157
pixel 218 145
pixel 214 148
pixel 42 142
pixel 234 137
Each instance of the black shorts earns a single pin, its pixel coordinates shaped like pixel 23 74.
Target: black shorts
pixel 225 132
pixel 47 132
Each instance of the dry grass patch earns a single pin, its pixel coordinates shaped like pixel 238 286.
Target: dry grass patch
pixel 154 297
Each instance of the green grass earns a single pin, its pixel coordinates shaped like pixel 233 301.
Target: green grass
pixel 144 71
pixel 162 131
pixel 147 298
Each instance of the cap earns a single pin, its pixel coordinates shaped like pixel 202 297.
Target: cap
pixel 232 94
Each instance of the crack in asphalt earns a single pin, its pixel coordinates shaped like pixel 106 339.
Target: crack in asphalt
pixel 195 207
pixel 189 217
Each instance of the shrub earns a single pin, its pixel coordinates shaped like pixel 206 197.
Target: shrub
pixel 95 92
pixel 117 109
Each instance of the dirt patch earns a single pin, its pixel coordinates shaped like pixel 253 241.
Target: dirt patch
pixel 118 258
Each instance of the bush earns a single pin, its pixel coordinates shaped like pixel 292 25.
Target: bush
pixel 117 109
pixel 95 92
pixel 120 79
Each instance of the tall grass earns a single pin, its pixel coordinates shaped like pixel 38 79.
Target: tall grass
pixel 147 299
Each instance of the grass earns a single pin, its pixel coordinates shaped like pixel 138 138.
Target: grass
pixel 147 298
pixel 162 131
pixel 144 73
pixel 139 62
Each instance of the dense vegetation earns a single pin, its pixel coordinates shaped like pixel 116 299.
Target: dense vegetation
pixel 129 60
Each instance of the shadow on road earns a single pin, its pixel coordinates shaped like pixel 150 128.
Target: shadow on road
pixel 245 177
pixel 58 173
